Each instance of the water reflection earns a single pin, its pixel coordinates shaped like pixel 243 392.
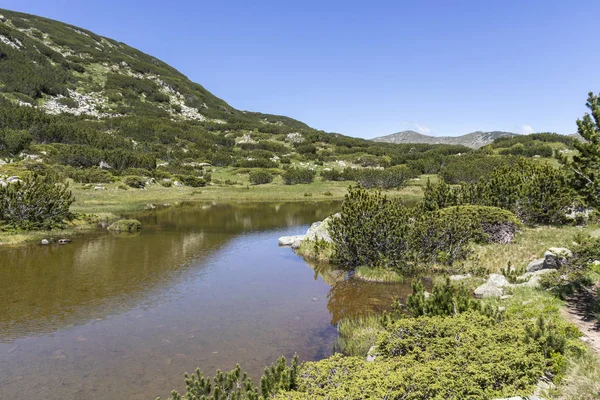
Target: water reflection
pixel 114 316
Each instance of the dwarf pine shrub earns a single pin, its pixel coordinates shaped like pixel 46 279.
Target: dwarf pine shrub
pixel 36 202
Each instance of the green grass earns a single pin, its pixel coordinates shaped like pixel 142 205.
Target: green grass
pixel 357 335
pixel 582 381
pixel 377 275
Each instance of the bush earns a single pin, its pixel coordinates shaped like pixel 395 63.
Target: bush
pixel 125 225
pixel 259 177
pixel 38 202
pixel 375 231
pixel 192 181
pixel 69 102
pixel 134 181
pixel 88 175
pixel 294 176
pixel 535 193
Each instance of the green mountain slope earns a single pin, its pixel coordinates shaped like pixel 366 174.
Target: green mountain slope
pixel 63 68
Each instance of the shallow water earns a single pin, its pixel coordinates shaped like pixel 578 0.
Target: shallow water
pixel 203 285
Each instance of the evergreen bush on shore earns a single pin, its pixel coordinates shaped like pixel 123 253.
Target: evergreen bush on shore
pixel 36 202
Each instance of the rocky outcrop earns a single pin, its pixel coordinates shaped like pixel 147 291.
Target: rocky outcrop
pixel 317 231
pixel 554 258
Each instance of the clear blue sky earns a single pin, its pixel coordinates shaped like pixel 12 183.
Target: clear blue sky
pixel 372 67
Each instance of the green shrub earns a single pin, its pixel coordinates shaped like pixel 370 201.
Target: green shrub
pixel 192 181
pixel 125 225
pixel 136 182
pixel 260 176
pixel 38 202
pixel 535 193
pixel 445 299
pixel 357 335
pixel 294 176
pixel 379 232
pixel 236 384
pixel 88 175
pixel 69 102
pixel 14 141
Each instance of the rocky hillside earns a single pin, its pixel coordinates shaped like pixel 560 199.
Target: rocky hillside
pixel 474 140
pixel 66 69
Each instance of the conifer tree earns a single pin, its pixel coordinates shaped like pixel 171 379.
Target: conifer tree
pixel 586 164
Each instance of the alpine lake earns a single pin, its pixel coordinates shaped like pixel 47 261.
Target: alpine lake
pixel 202 285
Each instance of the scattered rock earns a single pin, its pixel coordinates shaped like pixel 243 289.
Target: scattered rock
pixel 64 241
pixel 104 165
pixel 498 280
pixel 459 277
pixel 506 297
pixel 509 398
pixel 3 183
pixel 45 242
pixel 315 299
pixel 535 265
pixel 290 241
pixel 487 290
pixel 177 183
pixel 556 256
pixel 99 188
pixel 372 354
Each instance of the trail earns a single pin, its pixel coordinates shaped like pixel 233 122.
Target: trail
pixel 579 310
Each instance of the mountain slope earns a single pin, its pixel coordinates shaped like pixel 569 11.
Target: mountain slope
pixel 473 140
pixel 63 68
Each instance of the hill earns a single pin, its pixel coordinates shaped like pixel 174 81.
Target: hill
pixel 473 140
pixel 66 69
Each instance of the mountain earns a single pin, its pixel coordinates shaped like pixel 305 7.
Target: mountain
pixel 474 140
pixel 66 69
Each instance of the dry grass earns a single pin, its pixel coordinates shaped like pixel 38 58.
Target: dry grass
pixel 582 381
pixel 529 245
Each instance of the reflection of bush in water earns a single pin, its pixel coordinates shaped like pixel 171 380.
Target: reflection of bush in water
pixel 353 297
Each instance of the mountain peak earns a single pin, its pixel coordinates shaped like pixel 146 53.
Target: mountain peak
pixel 474 140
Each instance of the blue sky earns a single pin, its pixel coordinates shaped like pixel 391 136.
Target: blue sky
pixel 373 67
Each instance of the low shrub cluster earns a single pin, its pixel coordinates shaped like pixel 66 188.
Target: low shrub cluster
pixel 374 230
pixel 389 178
pixel 535 193
pixel 260 177
pixel 295 176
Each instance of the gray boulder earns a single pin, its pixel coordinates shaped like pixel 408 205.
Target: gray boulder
pixel 372 354
pixel 498 280
pixel 487 290
pixel 459 277
pixel 3 183
pixel 64 241
pixel 556 256
pixel 291 241
pixel 535 265
pixel 104 165
pixel 320 230
pixel 509 398
pixel 45 242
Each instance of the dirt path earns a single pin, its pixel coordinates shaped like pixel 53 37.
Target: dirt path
pixel 580 311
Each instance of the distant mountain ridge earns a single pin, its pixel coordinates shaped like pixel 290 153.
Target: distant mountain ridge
pixel 474 139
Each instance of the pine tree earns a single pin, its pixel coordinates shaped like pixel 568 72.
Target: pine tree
pixel 586 165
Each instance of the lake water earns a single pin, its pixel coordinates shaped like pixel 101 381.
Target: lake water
pixel 203 285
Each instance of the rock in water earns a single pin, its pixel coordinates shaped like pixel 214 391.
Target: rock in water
pixel 291 241
pixel 64 241
pixel 45 242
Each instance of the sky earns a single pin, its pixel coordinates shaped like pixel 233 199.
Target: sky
pixel 369 68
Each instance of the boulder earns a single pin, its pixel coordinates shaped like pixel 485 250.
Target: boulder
pixel 291 241
pixel 459 277
pixel 99 188
pixel 177 183
pixel 45 242
pixel 535 265
pixel 498 280
pixel 320 230
pixel 372 354
pixel 64 241
pixel 3 183
pixel 556 256
pixel 104 165
pixel 487 290
pixel 509 398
